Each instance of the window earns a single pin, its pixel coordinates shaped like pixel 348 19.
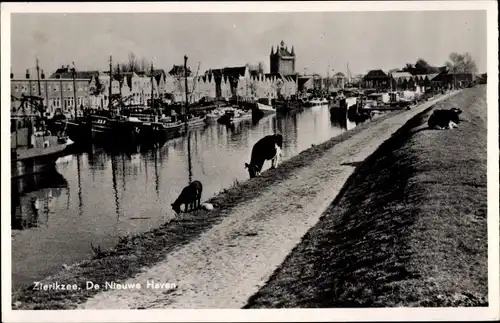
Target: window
pixel 34 89
pixel 70 87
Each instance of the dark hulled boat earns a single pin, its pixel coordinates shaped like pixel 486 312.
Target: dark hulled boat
pixel 34 149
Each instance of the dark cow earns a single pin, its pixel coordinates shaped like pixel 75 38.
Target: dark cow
pixel 267 148
pixel 190 197
pixel 444 119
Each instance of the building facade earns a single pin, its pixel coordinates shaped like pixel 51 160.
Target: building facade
pixel 62 95
pixel 282 61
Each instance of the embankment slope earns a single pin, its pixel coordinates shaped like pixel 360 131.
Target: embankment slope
pixel 409 228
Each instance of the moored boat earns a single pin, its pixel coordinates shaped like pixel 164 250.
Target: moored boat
pixel 318 102
pixel 260 110
pixel 34 149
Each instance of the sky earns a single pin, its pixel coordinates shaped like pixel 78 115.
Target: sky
pixel 323 41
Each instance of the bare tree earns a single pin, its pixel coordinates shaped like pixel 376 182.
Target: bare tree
pixel 261 67
pixel 132 63
pixel 461 63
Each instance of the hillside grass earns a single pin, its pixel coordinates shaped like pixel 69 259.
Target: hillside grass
pixel 135 253
pixel 408 229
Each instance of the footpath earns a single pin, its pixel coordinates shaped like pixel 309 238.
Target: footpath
pixel 231 261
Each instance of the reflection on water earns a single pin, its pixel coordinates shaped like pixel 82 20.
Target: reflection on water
pixel 98 196
pixel 33 199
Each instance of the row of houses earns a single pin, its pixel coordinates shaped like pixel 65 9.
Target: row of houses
pixel 378 79
pixel 68 91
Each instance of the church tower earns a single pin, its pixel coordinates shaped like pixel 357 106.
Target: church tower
pixel 282 61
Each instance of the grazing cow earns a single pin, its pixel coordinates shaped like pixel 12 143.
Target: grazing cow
pixel 190 197
pixel 267 148
pixel 444 119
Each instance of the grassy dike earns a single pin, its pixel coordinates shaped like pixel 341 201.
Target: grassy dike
pixel 409 228
pixel 133 254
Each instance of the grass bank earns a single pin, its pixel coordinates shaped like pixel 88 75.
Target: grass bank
pixel 133 254
pixel 409 227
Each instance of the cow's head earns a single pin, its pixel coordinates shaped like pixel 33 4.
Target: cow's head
pixel 456 112
pixel 176 207
pixel 278 139
pixel 252 170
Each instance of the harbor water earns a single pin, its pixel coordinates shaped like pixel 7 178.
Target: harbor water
pixel 97 197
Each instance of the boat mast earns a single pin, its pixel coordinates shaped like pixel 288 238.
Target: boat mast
pixel 38 77
pixel 119 81
pixel 73 72
pixel 110 81
pixel 152 94
pixel 186 83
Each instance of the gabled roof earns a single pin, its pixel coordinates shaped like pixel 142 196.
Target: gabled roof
pixel 231 72
pixel 404 75
pixel 178 70
pixel 375 74
pixel 426 76
pixel 302 80
pixel 65 73
pixel 282 51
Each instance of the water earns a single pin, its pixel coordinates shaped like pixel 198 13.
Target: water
pixel 96 197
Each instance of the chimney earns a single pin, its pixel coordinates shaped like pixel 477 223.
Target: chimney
pixel 27 74
pixel 43 75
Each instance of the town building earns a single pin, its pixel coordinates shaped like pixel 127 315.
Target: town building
pixel 376 79
pixel 282 61
pixel 61 94
pixel 133 88
pixel 231 81
pixel 305 83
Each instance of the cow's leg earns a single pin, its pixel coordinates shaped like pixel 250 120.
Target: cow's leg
pixel 278 156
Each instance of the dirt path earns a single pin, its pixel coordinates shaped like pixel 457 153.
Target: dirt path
pixel 231 261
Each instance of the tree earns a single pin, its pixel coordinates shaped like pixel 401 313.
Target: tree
pixel 132 63
pixel 410 68
pixel 394 70
pixel 261 67
pixel 461 63
pixel 422 67
pixel 256 69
